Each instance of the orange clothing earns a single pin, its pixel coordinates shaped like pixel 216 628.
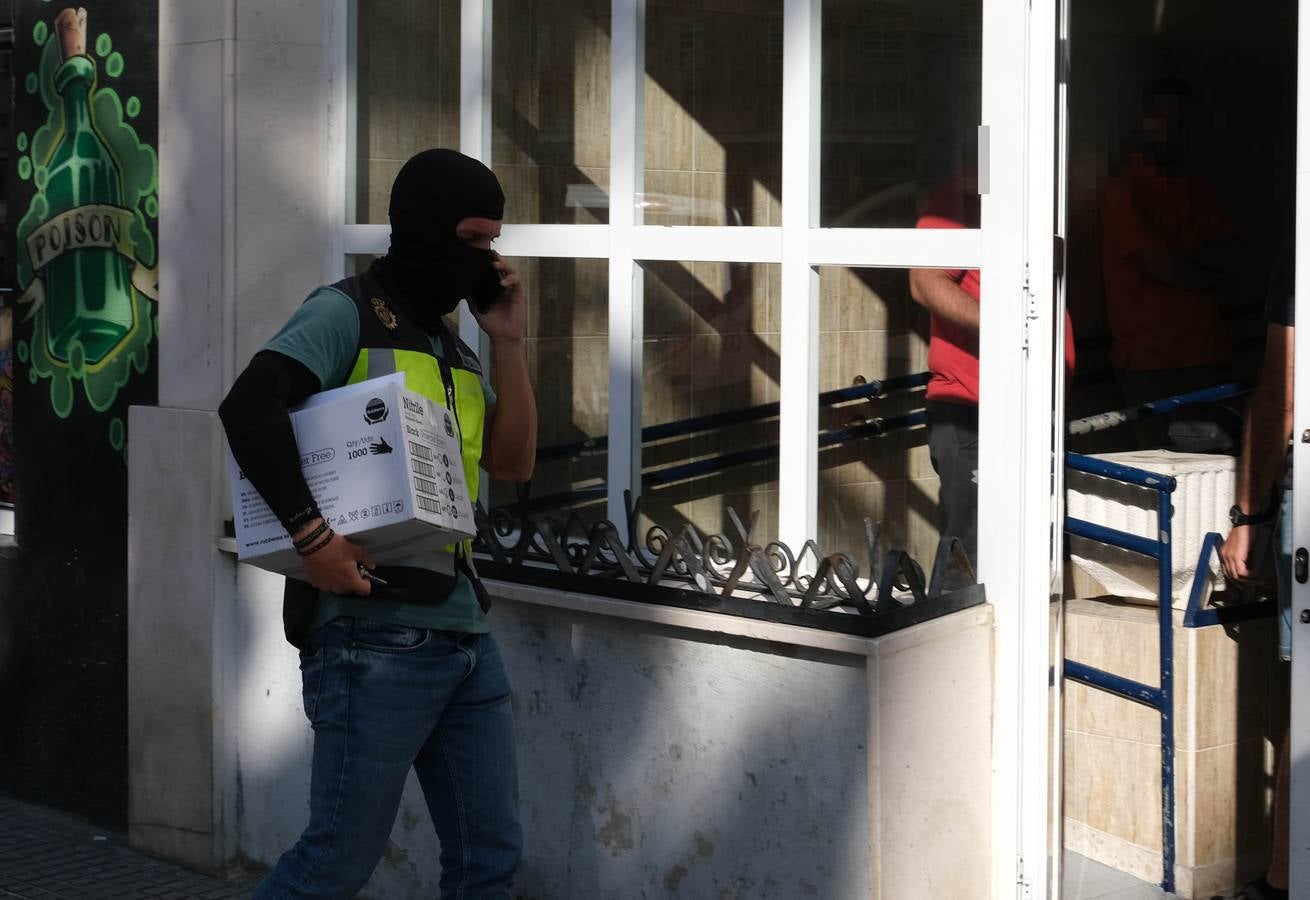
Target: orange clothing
pixel 1156 325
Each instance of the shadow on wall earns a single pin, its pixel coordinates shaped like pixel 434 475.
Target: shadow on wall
pixel 650 759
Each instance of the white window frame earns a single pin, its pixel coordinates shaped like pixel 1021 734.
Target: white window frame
pixel 1016 175
pixel 1299 738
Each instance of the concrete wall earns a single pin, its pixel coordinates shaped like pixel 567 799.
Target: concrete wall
pixel 653 761
pixel 662 752
pixel 244 110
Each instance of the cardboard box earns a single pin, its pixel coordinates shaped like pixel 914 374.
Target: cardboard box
pixel 383 464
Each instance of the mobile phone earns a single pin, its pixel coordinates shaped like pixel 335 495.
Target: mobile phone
pixel 487 291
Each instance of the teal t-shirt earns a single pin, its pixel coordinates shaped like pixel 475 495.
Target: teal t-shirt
pixel 323 336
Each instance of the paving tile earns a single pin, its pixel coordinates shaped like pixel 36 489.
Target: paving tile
pixel 50 856
pixel 1086 879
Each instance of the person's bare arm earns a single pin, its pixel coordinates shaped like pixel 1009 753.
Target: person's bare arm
pixel 1268 427
pixel 936 291
pixel 509 443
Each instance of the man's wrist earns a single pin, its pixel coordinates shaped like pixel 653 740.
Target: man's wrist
pixel 508 344
pixel 305 527
pixel 1238 517
pixel 302 520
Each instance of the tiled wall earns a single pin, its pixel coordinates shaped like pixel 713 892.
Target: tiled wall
pixel 1226 712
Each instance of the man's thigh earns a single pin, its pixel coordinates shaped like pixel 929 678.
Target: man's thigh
pixel 373 694
pixel 469 773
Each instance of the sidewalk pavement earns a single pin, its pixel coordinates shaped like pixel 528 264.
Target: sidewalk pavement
pixel 45 855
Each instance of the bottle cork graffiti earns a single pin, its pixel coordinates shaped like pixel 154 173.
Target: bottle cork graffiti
pixel 86 254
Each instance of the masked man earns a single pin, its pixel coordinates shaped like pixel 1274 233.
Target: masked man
pixel 405 675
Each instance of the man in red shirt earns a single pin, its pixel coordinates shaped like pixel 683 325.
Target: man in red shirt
pixel 1167 248
pixel 952 296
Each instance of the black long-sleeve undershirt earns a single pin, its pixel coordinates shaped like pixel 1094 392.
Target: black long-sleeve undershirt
pixel 254 414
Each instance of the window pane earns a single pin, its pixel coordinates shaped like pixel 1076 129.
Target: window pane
pixel 713 114
pixel 901 104
pixel 551 113
pixel 711 347
pixel 406 92
pixel 568 363
pixel 875 460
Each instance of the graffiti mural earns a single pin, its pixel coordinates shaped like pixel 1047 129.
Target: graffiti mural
pixel 86 252
pixel 82 187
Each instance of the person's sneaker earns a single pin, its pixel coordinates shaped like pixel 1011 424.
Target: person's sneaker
pixel 1259 890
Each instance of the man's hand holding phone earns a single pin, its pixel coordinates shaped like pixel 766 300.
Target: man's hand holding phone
pixel 503 317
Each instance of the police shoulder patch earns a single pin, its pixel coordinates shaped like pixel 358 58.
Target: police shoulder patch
pixel 384 314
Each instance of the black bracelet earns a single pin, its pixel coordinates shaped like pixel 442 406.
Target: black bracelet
pixel 312 536
pixel 319 546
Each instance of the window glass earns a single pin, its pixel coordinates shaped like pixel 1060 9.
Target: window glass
pixel 711 349
pixel 568 365
pixel 406 92
pixel 551 109
pixel 713 114
pixel 901 103
pixel 872 332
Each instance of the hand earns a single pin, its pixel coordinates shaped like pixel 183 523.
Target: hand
pixel 506 320
pixel 1234 552
pixel 335 568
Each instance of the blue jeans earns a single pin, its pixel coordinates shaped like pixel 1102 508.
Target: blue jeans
pixel 382 698
pixel 1283 567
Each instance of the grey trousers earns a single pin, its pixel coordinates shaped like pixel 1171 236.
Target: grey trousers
pixel 953 447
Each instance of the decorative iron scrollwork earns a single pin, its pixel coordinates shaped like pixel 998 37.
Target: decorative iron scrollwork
pixel 720 564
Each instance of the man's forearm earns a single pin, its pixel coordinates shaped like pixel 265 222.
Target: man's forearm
pixel 1268 424
pixel 513 428
pixel 254 415
pixel 937 292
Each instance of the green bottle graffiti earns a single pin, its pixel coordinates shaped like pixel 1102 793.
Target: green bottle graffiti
pixel 88 285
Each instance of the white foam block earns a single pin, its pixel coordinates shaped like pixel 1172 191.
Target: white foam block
pixel 1206 486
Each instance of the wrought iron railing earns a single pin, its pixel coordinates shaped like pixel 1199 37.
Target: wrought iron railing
pixel 733 573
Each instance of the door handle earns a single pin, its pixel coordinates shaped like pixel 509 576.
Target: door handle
pixel 1301 565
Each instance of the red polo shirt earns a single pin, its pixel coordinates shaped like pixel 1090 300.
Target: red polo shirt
pixel 952 350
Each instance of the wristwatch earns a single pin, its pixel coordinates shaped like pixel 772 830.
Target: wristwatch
pixel 1237 517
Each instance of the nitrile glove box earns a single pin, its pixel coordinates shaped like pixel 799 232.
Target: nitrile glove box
pixel 384 466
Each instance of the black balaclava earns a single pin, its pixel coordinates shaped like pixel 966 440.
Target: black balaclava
pixel 428 270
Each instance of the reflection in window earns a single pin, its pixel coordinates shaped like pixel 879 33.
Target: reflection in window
pixel 711 353
pixel 551 109
pixel 873 457
pixel 901 102
pixel 406 90
pixel 568 364
pixel 713 114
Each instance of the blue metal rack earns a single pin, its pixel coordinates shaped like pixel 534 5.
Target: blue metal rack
pixel 1159 698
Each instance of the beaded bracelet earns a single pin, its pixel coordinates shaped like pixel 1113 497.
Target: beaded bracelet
pixel 312 536
pixel 319 546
